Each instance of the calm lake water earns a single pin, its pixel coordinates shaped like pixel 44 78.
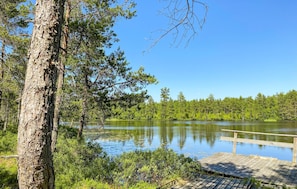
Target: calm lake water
pixel 196 139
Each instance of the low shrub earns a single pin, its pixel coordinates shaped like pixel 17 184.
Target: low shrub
pixel 153 167
pixel 142 185
pixel 89 183
pixel 76 161
pixel 82 164
pixel 8 142
pixel 67 132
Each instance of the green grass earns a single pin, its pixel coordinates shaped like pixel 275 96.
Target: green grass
pixel 270 120
pixel 8 173
pixel 8 167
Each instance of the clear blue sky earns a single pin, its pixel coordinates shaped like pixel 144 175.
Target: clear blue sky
pixel 244 48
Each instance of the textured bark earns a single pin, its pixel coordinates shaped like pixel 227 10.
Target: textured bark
pixel 58 100
pixel 61 72
pixel 2 76
pixel 2 60
pixel 19 106
pixel 6 117
pixel 35 162
pixel 83 116
pixel 0 98
pixel 82 119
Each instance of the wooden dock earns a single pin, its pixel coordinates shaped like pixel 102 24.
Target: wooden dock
pixel 230 170
pixel 227 170
pixel 269 171
pixel 211 181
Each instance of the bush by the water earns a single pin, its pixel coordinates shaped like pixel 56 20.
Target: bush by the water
pixel 80 164
pixel 78 161
pixel 153 167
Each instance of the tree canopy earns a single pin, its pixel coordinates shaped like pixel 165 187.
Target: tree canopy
pixel 280 106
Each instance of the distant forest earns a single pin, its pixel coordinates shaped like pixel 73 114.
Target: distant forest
pixel 282 106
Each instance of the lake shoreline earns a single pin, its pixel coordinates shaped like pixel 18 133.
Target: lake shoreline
pixel 195 139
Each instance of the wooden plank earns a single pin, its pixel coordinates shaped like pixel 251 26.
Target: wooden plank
pixel 264 169
pixel 234 143
pixel 258 133
pixel 259 142
pixel 212 181
pixel 294 150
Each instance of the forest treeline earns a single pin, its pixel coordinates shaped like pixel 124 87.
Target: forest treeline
pixel 281 106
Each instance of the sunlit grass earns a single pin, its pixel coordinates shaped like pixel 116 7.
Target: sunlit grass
pixel 8 173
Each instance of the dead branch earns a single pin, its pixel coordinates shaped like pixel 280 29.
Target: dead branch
pixel 185 17
pixel 9 157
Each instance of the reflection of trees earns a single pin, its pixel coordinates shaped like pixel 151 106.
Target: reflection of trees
pixel 182 136
pixel 170 133
pixel 195 132
pixel 166 133
pixel 209 132
pixel 199 131
pixel 139 136
pixel 163 133
pixel 140 132
pixel 150 134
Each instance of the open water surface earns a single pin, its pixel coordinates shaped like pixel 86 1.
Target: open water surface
pixel 196 139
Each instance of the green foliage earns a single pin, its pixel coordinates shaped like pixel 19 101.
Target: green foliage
pixel 90 183
pixel 12 127
pixel 8 142
pixel 14 16
pixel 80 164
pixel 67 132
pixel 8 173
pixel 152 167
pixel 142 185
pixel 8 167
pixel 97 77
pixel 76 161
pixel 277 107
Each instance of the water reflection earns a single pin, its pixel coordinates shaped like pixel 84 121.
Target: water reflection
pixel 190 137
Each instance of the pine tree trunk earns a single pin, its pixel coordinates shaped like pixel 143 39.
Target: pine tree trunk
pixel 83 116
pixel 1 79
pixel 35 161
pixel 82 119
pixel 6 117
pixel 61 72
pixel 19 106
pixel 58 100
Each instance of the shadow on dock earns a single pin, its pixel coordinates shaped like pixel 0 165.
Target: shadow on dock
pixel 268 171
